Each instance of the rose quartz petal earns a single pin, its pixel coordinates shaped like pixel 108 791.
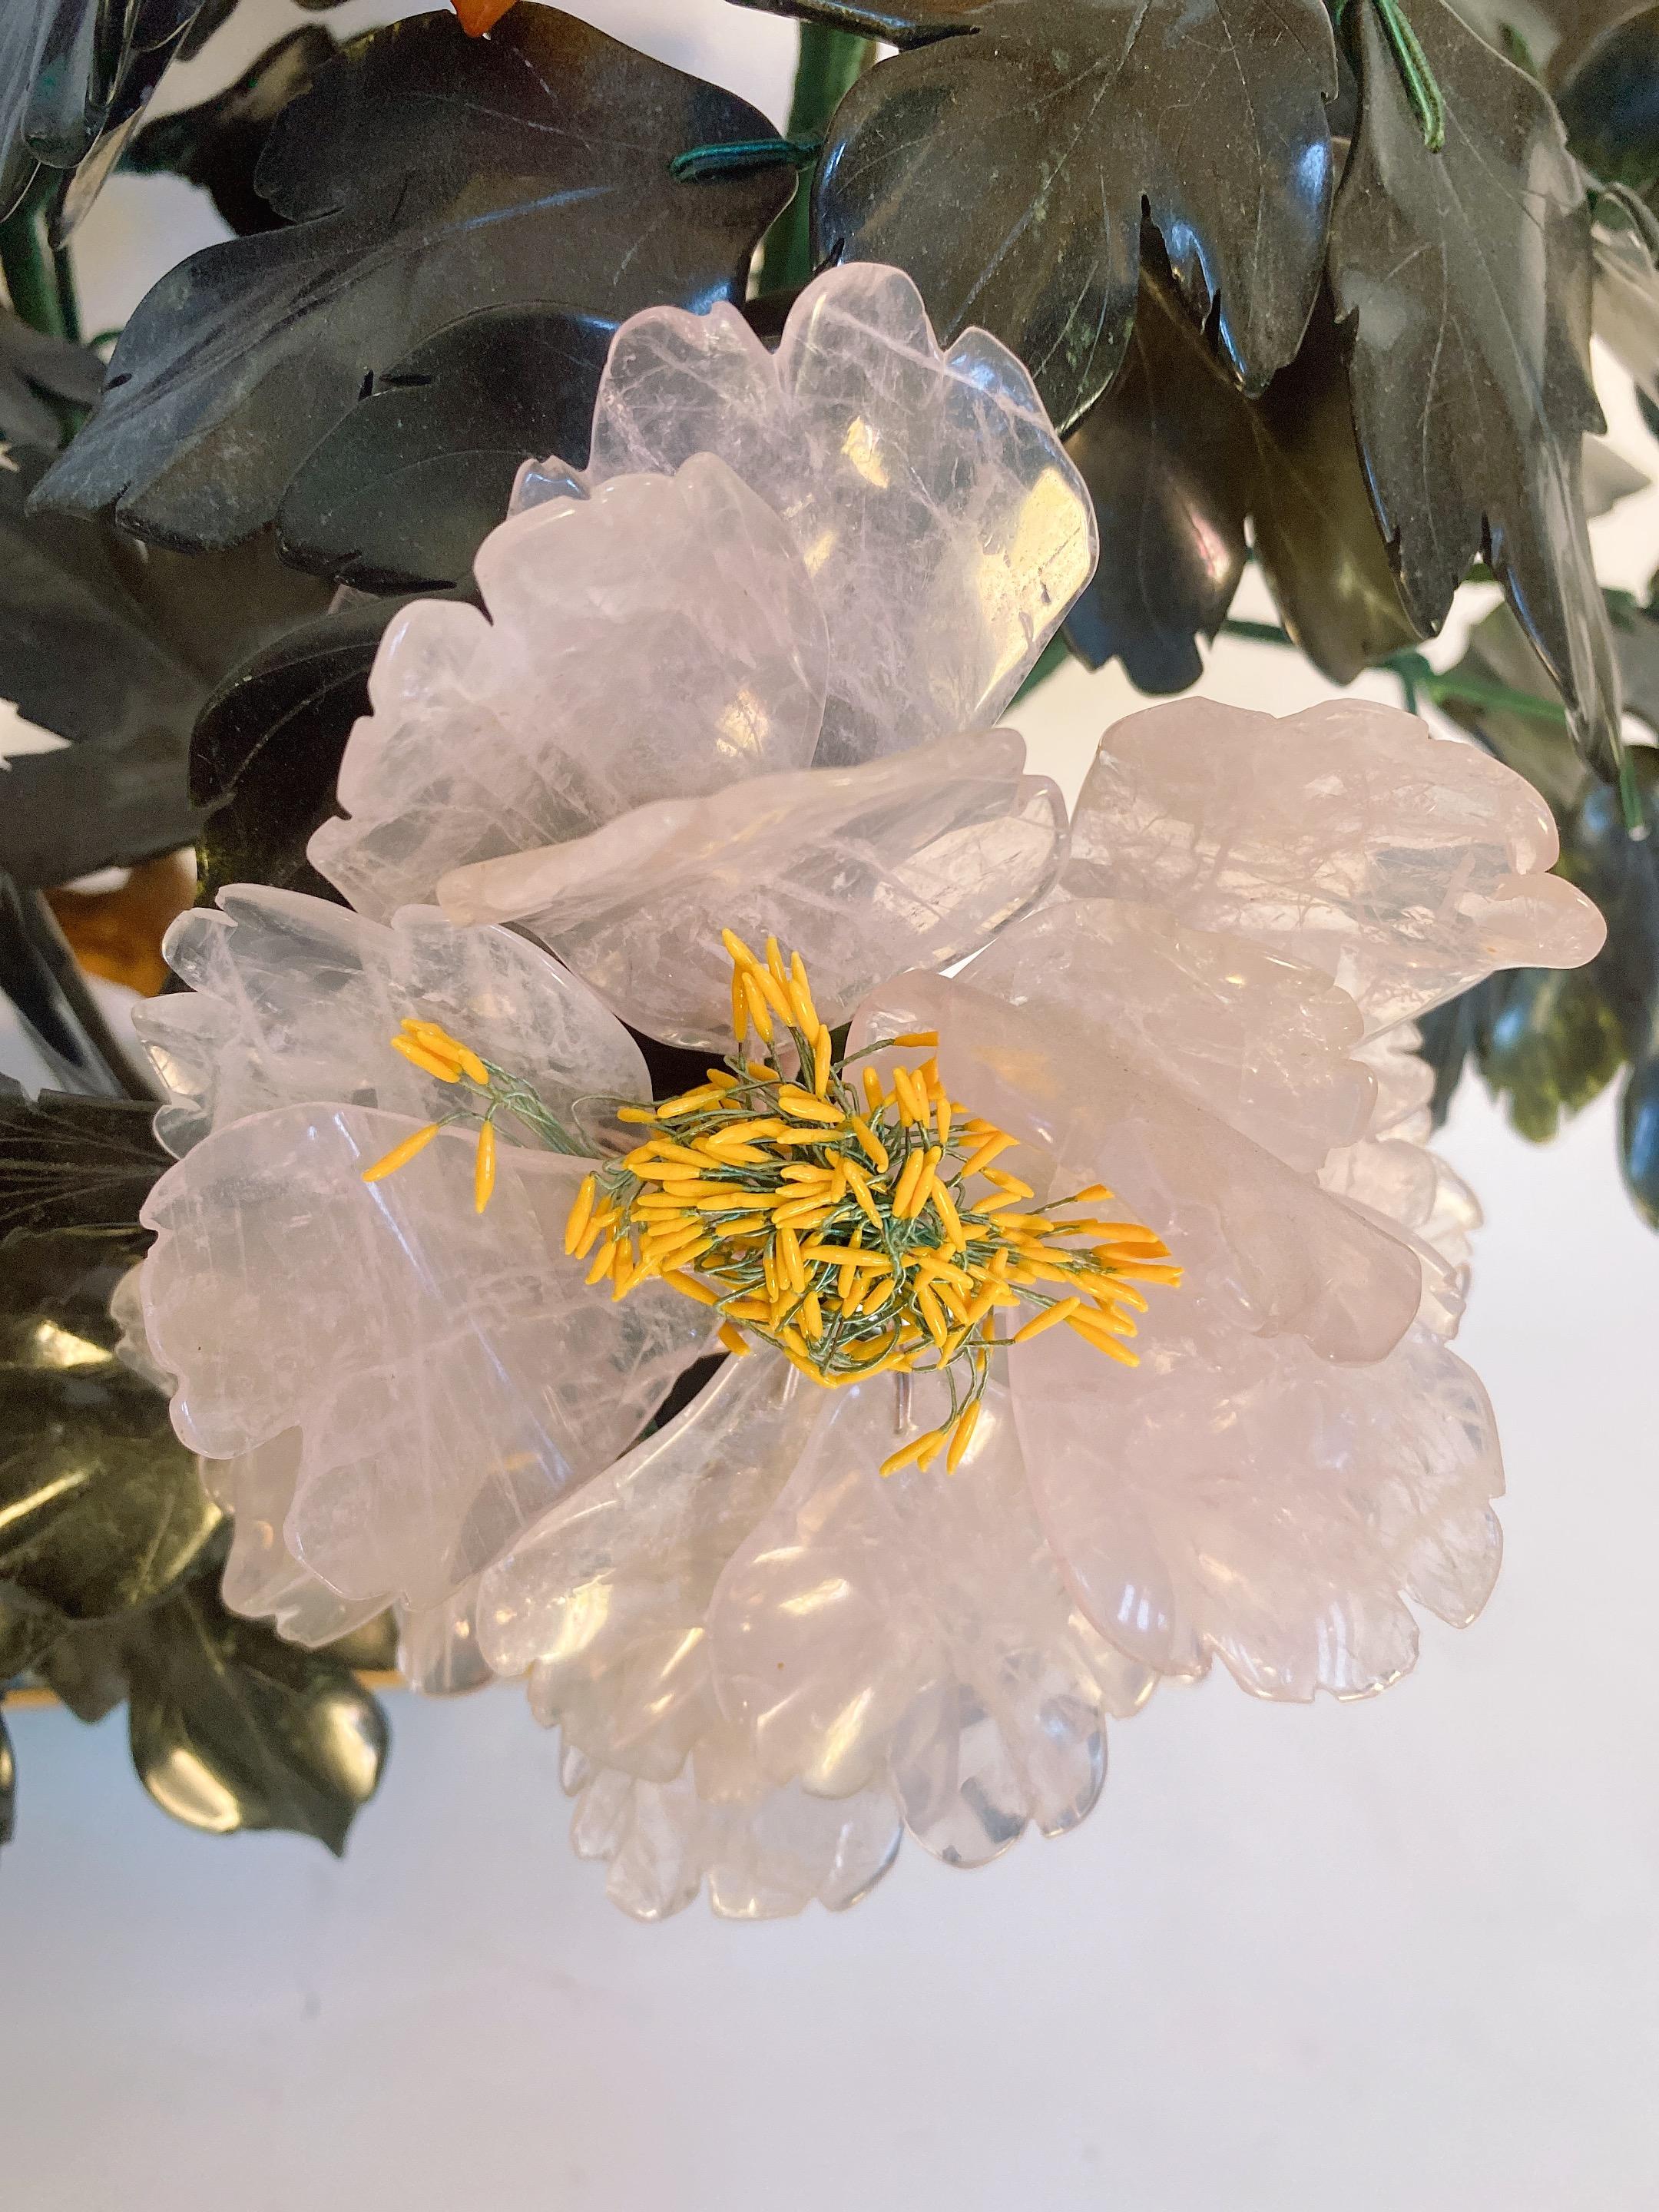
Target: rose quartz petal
pixel 438 1652
pixel 603 1598
pixel 763 1858
pixel 659 639
pixel 915 1630
pixel 450 1373
pixel 1266 1044
pixel 943 526
pixel 1405 866
pixel 1236 1496
pixel 911 861
pixel 1264 1250
pixel 262 1578
pixel 1391 1173
pixel 295 1000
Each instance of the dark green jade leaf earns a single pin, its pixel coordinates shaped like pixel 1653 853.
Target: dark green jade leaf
pixel 114 646
pixel 29 1627
pixel 1180 461
pixel 1551 1044
pixel 1005 158
pixel 267 751
pixel 1546 1042
pixel 424 177
pixel 1498 659
pixel 1166 457
pixel 1608 97
pixel 84 1165
pixel 399 497
pixel 217 145
pixel 231 1728
pixel 1463 277
pixel 101 1507
pixel 85 1667
pixel 36 369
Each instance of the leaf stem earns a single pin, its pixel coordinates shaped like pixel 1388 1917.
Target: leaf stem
pixel 733 156
pixel 39 280
pixel 830 65
pixel 1422 89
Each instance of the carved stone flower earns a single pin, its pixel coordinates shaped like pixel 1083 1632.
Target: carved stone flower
pixel 794 1622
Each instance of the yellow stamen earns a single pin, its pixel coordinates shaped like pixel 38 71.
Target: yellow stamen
pixel 946 1207
pixel 1011 1184
pixel 447 1048
pixel 789 1254
pixel 917 1037
pixel 446 1070
pixel 763 1213
pixel 1061 1309
pixel 858 1182
pixel 999 1142
pixel 776 996
pixel 800 996
pixel 602 1260
pixel 909 1175
pixel 688 1102
pixel 802 1106
pixel 874 1151
pixel 961 1436
pixel 755 1000
pixel 484 1168
pixel 400 1155
pixel 926 1444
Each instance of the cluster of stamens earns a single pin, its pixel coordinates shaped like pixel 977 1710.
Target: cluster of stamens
pixel 488 1091
pixel 861 1229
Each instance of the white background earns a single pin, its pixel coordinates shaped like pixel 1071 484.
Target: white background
pixel 1399 1956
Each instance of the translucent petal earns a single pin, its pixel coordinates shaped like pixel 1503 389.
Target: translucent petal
pixel 605 1598
pixel 1237 1496
pixel 295 1000
pixel 762 1859
pixel 1405 866
pixel 660 639
pixel 450 1372
pixel 1265 1248
pixel 438 1650
pixel 912 861
pixel 944 528
pixel 263 1579
pixel 915 1630
pixel 1268 1045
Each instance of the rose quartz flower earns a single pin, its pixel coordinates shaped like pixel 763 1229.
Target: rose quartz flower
pixel 743 671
